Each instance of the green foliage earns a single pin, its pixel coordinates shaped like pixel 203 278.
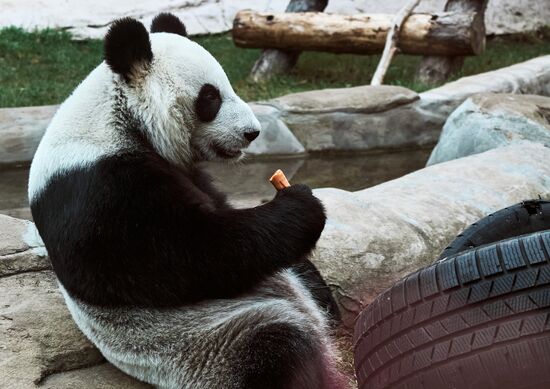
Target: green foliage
pixel 43 67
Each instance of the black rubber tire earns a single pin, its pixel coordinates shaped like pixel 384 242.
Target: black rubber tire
pixel 480 319
pixel 519 219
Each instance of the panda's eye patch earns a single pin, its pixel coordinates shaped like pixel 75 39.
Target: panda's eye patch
pixel 208 103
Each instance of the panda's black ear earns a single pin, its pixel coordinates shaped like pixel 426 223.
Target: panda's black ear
pixel 167 22
pixel 127 47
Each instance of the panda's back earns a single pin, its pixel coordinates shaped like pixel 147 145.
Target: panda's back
pixel 115 231
pixel 94 196
pixel 79 133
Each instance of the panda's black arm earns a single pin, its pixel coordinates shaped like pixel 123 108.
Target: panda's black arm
pixel 203 181
pixel 128 230
pixel 189 247
pixel 233 249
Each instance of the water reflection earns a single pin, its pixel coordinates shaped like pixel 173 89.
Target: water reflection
pixel 247 183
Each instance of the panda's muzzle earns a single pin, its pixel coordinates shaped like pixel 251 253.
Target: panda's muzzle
pixel 226 153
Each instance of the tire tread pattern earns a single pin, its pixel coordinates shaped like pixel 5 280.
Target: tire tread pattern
pixel 463 308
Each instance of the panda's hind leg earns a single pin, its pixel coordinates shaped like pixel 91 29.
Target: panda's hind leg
pixel 318 288
pixel 280 355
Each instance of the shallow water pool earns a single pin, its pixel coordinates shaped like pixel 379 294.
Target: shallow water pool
pixel 246 182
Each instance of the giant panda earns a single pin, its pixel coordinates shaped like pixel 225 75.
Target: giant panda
pixel 171 283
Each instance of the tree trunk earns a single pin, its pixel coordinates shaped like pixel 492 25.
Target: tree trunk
pixel 273 61
pixel 436 69
pixel 445 33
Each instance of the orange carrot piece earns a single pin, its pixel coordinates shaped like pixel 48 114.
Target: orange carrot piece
pixel 279 180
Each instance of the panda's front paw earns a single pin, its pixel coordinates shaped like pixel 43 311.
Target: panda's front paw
pixel 295 190
pixel 304 208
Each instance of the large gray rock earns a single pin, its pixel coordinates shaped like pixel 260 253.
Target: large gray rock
pixel 361 118
pixel 21 249
pixel 359 99
pixel 275 137
pixel 487 121
pixel 375 236
pixel 37 334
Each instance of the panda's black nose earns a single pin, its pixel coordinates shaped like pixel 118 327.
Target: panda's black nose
pixel 250 136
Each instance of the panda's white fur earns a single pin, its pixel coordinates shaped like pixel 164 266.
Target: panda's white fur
pixel 80 132
pixel 193 345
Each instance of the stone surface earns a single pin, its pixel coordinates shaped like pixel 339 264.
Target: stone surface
pixel 376 236
pixel 529 77
pixel 21 130
pixel 401 127
pixel 275 137
pixel 11 235
pixel 90 19
pixel 372 238
pixel 354 122
pixel 415 123
pixel 359 99
pixel 21 248
pixel 38 337
pixel 19 213
pixel 104 376
pixel 37 334
pixel 488 121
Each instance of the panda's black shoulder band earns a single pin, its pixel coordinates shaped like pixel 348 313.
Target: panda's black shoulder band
pixel 133 230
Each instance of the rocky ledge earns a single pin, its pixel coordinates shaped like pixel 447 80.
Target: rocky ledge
pixel 375 236
pixel 488 121
pixel 345 119
pixel 372 238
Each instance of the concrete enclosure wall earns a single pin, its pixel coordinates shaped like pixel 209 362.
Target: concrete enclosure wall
pixel 91 18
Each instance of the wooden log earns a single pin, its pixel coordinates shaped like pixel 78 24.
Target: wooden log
pixel 274 61
pixel 444 33
pixel 435 69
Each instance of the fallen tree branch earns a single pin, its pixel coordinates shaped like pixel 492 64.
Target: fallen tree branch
pixel 391 42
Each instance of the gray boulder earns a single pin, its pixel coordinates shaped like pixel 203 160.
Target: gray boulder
pixel 104 376
pixel 377 235
pixel 488 121
pixel 21 249
pixel 360 118
pixel 37 334
pixel 275 137
pixel 372 238
pixel 38 337
pixel 359 99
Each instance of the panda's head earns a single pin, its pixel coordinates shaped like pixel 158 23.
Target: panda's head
pixel 177 92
